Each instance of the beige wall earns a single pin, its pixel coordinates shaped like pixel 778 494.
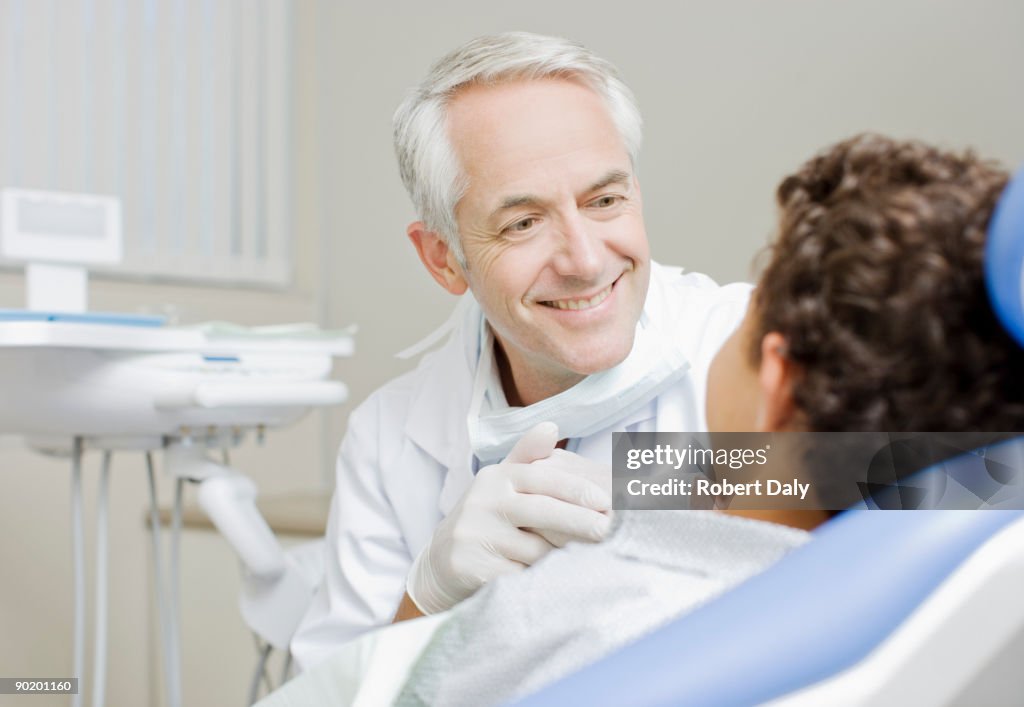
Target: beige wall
pixel 734 94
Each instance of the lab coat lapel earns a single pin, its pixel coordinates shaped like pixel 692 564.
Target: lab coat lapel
pixel 459 476
pixel 440 403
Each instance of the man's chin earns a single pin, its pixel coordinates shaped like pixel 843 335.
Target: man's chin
pixel 600 359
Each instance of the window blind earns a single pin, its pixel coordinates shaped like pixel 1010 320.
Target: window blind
pixel 178 107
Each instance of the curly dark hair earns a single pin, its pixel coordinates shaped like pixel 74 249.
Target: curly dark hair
pixel 875 280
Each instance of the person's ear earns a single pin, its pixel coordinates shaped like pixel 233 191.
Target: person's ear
pixel 775 378
pixel 438 258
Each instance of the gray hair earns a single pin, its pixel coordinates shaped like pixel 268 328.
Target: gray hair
pixel 426 158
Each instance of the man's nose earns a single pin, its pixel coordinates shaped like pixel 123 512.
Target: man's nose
pixel 579 251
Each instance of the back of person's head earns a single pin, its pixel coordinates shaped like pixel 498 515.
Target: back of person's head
pixel 876 282
pixel 426 158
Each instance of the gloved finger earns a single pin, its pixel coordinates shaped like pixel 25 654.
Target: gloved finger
pixel 600 474
pixel 521 546
pixel 496 565
pixel 472 566
pixel 554 537
pixel 547 513
pixel 538 443
pixel 560 484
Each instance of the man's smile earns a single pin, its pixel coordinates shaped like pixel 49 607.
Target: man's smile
pixel 583 302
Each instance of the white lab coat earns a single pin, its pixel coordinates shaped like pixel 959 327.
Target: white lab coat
pixel 405 460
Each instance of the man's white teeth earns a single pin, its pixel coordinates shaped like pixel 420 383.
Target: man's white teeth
pixel 581 303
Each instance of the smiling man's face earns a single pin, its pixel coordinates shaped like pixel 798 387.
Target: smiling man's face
pixel 552 227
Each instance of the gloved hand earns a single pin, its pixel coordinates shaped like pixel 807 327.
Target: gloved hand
pixel 484 535
pixel 595 472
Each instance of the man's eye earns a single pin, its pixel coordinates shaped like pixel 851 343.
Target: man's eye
pixel 605 201
pixel 521 225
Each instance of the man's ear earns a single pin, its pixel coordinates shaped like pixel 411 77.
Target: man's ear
pixel 438 258
pixel 776 377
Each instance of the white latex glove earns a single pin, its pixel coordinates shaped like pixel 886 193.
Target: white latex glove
pixel 596 473
pixel 484 535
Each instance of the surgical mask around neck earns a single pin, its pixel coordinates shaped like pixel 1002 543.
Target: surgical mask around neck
pixel 654 364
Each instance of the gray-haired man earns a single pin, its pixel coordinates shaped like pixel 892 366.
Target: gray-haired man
pixel 519 152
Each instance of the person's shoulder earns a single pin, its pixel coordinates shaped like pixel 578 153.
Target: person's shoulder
pixel 694 282
pixel 397 393
pixel 692 292
pixel 397 397
pixel 698 312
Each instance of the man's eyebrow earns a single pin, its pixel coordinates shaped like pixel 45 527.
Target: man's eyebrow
pixel 616 176
pixel 511 202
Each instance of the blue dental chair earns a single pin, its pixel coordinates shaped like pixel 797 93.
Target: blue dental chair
pixel 900 608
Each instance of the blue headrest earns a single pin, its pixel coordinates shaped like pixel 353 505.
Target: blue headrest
pixel 1004 258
